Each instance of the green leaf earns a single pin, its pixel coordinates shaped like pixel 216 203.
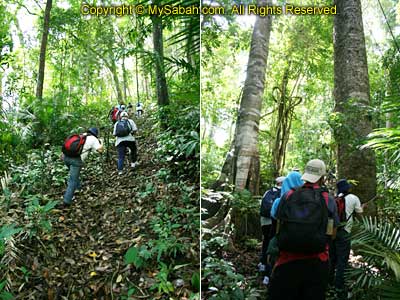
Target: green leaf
pixel 131 255
pixel 196 281
pixel 6 296
pixel 50 205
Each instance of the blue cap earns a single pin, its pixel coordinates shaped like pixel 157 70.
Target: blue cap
pixel 94 131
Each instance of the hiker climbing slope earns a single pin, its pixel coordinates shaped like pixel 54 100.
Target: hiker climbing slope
pixel 347 204
pixel 266 223
pixel 75 149
pixel 124 130
pixel 307 219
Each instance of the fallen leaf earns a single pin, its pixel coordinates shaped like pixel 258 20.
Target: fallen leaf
pixel 92 254
pixel 119 278
pixel 93 274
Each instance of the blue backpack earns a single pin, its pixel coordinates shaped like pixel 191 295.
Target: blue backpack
pixel 268 199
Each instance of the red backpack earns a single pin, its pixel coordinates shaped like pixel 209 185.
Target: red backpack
pixel 114 112
pixel 73 145
pixel 341 208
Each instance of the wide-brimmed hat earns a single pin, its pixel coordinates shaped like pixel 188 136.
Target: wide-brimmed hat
pixel 314 170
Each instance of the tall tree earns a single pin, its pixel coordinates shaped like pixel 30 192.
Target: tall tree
pixel 243 167
pixel 161 82
pixel 352 98
pixel 43 46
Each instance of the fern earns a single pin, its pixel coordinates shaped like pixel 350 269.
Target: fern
pixel 378 242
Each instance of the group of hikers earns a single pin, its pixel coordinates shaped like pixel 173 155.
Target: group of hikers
pixel 306 235
pixel 77 147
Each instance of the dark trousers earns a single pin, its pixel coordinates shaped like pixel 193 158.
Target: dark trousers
pixel 266 229
pixel 121 148
pixel 339 253
pixel 305 279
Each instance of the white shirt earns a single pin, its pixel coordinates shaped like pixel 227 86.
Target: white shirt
pixel 352 204
pixel 129 137
pixel 92 143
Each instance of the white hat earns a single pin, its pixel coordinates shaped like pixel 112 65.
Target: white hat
pixel 280 179
pixel 314 170
pixel 124 114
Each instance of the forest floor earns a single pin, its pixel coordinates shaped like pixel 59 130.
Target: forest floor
pixel 83 256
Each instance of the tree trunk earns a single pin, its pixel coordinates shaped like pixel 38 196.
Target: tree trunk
pixel 352 97
pixel 137 77
pixel 245 169
pixel 125 79
pixel 43 46
pixel 161 82
pixel 114 72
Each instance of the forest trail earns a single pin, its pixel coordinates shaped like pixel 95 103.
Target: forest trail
pixel 82 257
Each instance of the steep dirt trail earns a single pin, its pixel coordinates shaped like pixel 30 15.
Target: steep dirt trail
pixel 83 255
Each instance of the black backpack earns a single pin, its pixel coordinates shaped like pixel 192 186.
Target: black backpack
pixel 73 145
pixel 268 199
pixel 123 128
pixel 303 219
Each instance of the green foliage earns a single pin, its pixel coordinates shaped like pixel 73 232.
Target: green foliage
pixel 4 295
pixel 6 232
pixel 195 280
pixel 137 256
pixel 378 241
pixel 179 144
pixel 244 202
pixel 163 285
pixel 37 216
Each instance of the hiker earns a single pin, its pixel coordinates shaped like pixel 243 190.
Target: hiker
pixel 347 205
pixel 292 180
pixel 124 130
pixel 75 150
pixel 139 109
pixel 266 222
pixel 114 114
pixel 307 219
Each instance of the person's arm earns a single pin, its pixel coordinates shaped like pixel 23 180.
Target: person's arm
pixel 96 145
pixel 133 125
pixel 358 208
pixel 115 129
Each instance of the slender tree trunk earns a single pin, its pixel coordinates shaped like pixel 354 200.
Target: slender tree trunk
pixel 137 77
pixel 43 46
pixel 114 72
pixel 161 82
pixel 245 168
pixel 125 83
pixel 352 97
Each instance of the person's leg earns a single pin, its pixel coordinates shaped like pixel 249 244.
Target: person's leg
pixel 75 165
pixel 132 146
pixel 332 261
pixel 315 275
pixel 343 245
pixel 121 156
pixel 284 284
pixel 266 233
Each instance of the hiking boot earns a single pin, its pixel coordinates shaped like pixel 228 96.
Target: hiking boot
pixel 133 165
pixel 120 172
pixel 266 280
